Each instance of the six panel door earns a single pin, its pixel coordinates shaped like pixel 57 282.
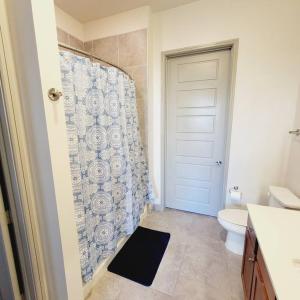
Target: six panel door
pixel 197 88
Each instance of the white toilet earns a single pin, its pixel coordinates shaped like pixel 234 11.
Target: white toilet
pixel 234 220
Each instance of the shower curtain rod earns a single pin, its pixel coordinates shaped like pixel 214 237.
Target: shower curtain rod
pixel 92 56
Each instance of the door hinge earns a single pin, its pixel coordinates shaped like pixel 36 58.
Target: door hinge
pixel 8 218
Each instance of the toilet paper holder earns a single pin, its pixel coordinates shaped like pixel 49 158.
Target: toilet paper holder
pixel 234 188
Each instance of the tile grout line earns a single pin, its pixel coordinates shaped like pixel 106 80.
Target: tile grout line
pixel 176 280
pixel 179 270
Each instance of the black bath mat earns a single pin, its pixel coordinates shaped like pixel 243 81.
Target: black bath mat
pixel 139 258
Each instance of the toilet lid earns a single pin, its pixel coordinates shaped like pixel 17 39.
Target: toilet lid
pixel 234 216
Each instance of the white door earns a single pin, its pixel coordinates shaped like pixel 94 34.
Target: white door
pixel 197 88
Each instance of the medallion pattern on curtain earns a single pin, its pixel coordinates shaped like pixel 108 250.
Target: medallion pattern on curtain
pixel 108 167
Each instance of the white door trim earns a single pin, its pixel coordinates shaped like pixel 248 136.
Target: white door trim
pixel 231 45
pixel 23 211
pixel 34 39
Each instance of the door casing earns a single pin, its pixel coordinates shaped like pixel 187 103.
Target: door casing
pixel 15 167
pixel 231 45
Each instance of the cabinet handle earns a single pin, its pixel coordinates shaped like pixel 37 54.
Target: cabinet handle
pixel 251 259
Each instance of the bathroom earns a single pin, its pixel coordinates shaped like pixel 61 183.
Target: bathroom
pixel 221 162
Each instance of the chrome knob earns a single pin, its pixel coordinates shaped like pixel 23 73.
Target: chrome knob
pixel 251 259
pixel 219 163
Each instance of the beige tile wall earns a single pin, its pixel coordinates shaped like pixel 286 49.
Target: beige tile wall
pixel 128 51
pixel 68 39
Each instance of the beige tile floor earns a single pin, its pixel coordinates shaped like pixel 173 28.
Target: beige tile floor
pixel 196 264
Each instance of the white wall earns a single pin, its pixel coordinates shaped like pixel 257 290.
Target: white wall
pixel 267 81
pixel 293 170
pixel 67 23
pixel 128 21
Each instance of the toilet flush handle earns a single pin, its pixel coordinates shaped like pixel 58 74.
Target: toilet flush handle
pixel 219 162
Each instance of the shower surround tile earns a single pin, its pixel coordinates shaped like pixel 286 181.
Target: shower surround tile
pixel 133 48
pixel 68 39
pixel 88 46
pixel 139 74
pixel 62 36
pixel 191 269
pixel 76 43
pixel 107 49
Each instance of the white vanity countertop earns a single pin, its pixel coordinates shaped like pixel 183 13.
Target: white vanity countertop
pixel 278 234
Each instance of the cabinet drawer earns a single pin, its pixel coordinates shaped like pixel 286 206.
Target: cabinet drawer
pixel 265 276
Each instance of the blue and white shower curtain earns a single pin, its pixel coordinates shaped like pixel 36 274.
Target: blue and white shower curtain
pixel 108 167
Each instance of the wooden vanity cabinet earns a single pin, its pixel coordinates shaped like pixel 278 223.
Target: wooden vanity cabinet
pixel 248 262
pixel 258 291
pixel 255 277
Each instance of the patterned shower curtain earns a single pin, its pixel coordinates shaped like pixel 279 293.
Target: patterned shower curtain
pixel 108 167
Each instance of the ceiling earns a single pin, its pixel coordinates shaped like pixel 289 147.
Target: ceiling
pixel 88 10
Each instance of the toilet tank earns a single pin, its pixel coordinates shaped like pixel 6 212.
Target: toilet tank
pixel 283 198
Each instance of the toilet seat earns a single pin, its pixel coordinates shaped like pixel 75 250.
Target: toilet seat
pixel 234 216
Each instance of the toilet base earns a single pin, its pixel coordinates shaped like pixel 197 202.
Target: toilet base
pixel 235 242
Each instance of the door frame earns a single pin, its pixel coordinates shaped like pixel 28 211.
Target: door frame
pixel 34 63
pixel 16 168
pixel 232 46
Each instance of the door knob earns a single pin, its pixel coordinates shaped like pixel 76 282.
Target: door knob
pixel 219 163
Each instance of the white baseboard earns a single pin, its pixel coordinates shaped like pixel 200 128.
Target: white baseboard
pixel 87 287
